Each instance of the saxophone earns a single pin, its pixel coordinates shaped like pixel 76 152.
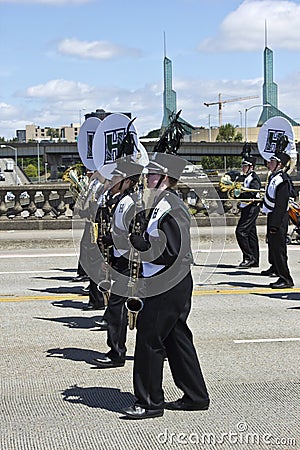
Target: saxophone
pixel 133 303
pixel 104 286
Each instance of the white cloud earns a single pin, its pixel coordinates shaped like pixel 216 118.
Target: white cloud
pixel 94 49
pixel 243 29
pixel 60 102
pixel 57 89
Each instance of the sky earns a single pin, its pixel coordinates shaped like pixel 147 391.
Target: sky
pixel 61 59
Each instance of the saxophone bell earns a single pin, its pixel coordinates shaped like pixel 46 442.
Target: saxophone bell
pixel 134 305
pixel 104 286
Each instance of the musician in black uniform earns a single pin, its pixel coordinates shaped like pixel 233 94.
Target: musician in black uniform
pixel 162 323
pixel 125 177
pixel 89 252
pixel 246 232
pixel 275 205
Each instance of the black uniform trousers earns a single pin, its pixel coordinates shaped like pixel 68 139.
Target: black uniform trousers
pixel 162 330
pixel 246 233
pixel 116 313
pixel 96 298
pixel 277 247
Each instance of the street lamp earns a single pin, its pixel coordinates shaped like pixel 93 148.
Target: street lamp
pixel 82 109
pixel 241 119
pixel 16 159
pixel 46 164
pixel 38 161
pixel 248 109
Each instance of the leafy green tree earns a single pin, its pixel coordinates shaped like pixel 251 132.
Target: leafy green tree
pixel 31 171
pixel 153 133
pixel 212 162
pixel 238 137
pixel 234 161
pixel 53 133
pixel 227 133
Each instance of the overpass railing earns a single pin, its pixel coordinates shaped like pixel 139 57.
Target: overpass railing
pixel 36 201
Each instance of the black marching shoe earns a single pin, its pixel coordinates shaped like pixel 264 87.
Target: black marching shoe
pixel 247 263
pixel 85 290
pixel 181 405
pixel 137 413
pixel 103 324
pixel 269 272
pixel 281 284
pixel 80 278
pixel 105 362
pixel 91 307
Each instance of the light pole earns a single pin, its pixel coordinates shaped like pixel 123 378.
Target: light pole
pixel 248 109
pixel 16 159
pixel 241 121
pixel 46 164
pixel 38 161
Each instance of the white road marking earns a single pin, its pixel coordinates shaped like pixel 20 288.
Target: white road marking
pixel 250 341
pixel 36 255
pixel 31 272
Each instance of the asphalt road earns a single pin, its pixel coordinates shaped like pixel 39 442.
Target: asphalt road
pixel 246 334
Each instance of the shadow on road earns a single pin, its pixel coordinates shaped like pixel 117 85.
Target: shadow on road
pixel 294 296
pixel 57 278
pixel 84 323
pixel 111 399
pixel 74 354
pixel 61 290
pixel 69 304
pixel 77 354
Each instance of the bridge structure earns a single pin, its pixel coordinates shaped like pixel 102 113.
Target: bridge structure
pixel 60 154
pixel 65 153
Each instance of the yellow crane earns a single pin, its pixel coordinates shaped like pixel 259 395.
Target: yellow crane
pixel 220 103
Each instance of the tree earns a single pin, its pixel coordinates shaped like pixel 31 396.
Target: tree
pixel 53 133
pixel 31 171
pixel 227 133
pixel 212 162
pixel 153 134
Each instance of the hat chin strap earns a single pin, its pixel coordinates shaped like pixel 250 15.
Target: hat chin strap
pixel 249 168
pixel 160 181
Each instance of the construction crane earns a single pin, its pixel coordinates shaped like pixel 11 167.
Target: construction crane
pixel 220 103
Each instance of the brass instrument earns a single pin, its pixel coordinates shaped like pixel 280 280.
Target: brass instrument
pixel 235 188
pixel 78 182
pixel 133 303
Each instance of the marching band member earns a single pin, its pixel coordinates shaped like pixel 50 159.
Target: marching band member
pixel 246 233
pixel 125 177
pixel 275 205
pixel 88 249
pixel 162 323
